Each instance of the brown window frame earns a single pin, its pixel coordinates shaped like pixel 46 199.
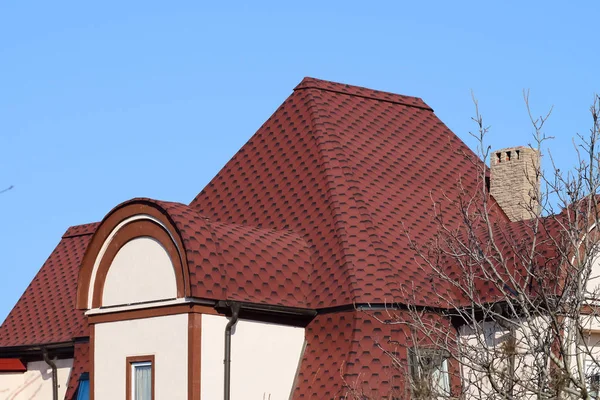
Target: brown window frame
pixel 422 361
pixel 129 361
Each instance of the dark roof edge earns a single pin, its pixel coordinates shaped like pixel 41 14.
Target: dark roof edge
pixel 295 316
pixel 365 93
pixel 223 306
pixel 81 339
pixel 80 230
pixel 12 351
pixel 380 307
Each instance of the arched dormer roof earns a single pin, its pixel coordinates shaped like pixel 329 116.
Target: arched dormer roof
pixel 217 261
pixel 134 219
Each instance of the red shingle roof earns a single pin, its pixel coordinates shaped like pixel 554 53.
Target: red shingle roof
pixel 357 91
pixel 354 352
pixel 541 239
pixel 46 312
pixel 242 263
pixel 81 363
pixel 351 170
pixel 312 212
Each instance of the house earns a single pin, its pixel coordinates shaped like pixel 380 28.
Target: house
pixel 283 266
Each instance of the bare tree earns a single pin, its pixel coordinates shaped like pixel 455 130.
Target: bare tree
pixel 517 309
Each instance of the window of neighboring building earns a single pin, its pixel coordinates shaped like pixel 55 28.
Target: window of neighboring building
pixel 429 372
pixel 592 373
pixel 140 378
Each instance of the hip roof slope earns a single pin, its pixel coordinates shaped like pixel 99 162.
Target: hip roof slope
pixel 352 170
pixel 46 312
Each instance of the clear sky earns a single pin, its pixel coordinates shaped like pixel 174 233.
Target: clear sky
pixel 102 101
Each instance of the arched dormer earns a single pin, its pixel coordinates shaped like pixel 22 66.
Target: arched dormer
pixel 136 256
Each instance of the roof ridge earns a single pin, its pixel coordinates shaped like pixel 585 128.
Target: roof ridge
pixel 363 92
pixel 80 230
pixel 330 181
pixel 263 229
pixel 219 253
pixel 349 195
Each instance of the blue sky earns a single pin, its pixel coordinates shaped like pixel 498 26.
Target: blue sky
pixel 104 101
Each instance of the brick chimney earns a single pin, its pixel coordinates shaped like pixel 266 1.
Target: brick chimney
pixel 515 181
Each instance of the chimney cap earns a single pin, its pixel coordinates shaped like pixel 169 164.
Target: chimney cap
pixel 516 148
pixel 512 153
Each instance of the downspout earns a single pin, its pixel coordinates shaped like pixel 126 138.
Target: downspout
pixel 52 365
pixel 235 312
pixel 510 348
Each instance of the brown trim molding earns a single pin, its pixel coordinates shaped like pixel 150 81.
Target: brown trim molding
pixel 133 230
pixel 194 355
pixel 128 367
pixel 590 309
pixel 92 351
pixel 190 308
pixel 110 222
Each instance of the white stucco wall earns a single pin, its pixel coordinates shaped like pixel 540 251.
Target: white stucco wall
pixel 141 271
pixel 264 361
pixel 489 347
pixel 36 382
pixel 164 337
pixel 593 283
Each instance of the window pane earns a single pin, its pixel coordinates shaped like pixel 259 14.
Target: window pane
pixel 429 372
pixel 83 392
pixel 441 380
pixel 143 382
pixel 592 373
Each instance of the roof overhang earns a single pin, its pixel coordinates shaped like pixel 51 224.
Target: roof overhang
pixel 293 316
pixel 12 365
pixel 60 350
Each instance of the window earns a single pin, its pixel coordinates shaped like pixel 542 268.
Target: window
pixel 140 378
pixel 83 390
pixel 592 373
pixel 429 373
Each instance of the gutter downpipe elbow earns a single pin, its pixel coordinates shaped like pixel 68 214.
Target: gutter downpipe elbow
pixel 235 313
pixel 52 365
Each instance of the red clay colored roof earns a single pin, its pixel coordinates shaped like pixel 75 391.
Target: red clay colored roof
pixel 12 365
pixel 81 363
pixel 312 212
pixel 515 239
pixel 264 266
pixel 351 170
pixel 357 91
pixel 46 312
pixel 351 353
pixel 512 271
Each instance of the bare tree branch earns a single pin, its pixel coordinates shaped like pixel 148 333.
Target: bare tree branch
pixel 518 303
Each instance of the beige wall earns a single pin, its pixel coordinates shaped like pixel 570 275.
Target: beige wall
pixel 105 245
pixel 36 382
pixel 164 337
pixel 489 345
pixel 264 362
pixel 593 284
pixel 141 271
